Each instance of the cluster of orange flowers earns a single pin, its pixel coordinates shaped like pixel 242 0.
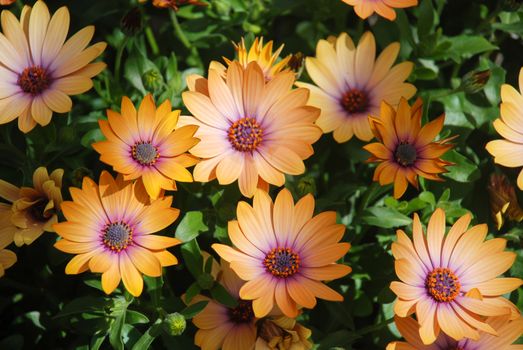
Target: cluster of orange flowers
pixel 251 126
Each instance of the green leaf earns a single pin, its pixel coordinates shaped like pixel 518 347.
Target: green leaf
pixel 83 304
pixel 191 226
pixel 425 18
pixel 220 294
pixel 133 317
pixel 463 170
pixel 193 257
pixel 97 340
pixel 385 217
pixel 193 290
pixel 466 46
pixel 194 309
pixel 149 336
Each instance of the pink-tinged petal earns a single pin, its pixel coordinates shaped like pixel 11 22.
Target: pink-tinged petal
pixel 102 261
pixel 131 278
pixel 407 274
pixel 455 233
pixel 227 253
pixel 364 59
pixel 14 33
pixel 450 324
pixel 273 91
pixel 426 313
pixel 203 109
pixel 111 278
pixel 319 289
pixel 257 287
pixel 420 243
pixel 253 229
pixel 145 261
pixel 284 301
pixel 402 252
pixel 264 304
pixel 404 308
pixel 326 273
pixel 465 251
pixel 212 339
pixel 435 236
pixel 71 247
pixel 248 180
pixel 325 255
pixel 472 321
pixel 212 316
pixel 221 96
pixel 328 235
pixel 205 170
pixel 300 294
pixel 242 336
pixel 230 168
pixel 38 24
pixel 235 76
pixel 311 227
pixel 407 292
pixel 248 268
pixel 283 159
pixel 56 35
pixel 80 263
pixel 241 242
pixel 482 307
pixel 283 216
pixel 498 286
pixel 253 87
pixel 487 268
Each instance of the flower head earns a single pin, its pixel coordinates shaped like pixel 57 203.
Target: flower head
pixel 148 145
pixel 503 200
pixel 284 253
pixel 39 69
pixel 33 209
pixel 263 55
pixel 405 149
pixel 352 83
pixel 509 150
pixel 251 131
pixel 384 8
pixel 220 326
pixel 282 333
pixel 507 332
pixel 109 226
pixel 449 280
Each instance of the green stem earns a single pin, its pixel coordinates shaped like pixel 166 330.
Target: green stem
pixel 152 40
pixel 119 54
pixel 373 328
pixel 178 31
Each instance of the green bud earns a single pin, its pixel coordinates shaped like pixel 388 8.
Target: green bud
pixel 306 185
pixel 174 324
pixel 475 81
pixel 131 22
pixel 205 281
pixel 223 8
pixel 152 80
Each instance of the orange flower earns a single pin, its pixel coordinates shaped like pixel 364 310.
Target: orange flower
pixel 39 69
pixel 243 135
pixel 109 226
pixel 148 145
pixel 262 54
pixel 384 8
pixel 175 4
pixel 220 326
pixel 508 332
pixel 509 151
pixel 6 2
pixel 449 280
pixel 33 210
pixel 284 253
pixel 405 149
pixel 352 83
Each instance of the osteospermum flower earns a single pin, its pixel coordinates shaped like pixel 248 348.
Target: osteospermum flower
pixel 405 149
pixel 509 151
pixel 263 55
pixel 147 145
pixel 384 8
pixel 33 209
pixel 284 253
pixel 39 69
pixel 351 83
pixel 221 327
pixel 109 226
pixel 282 333
pixel 249 130
pixel 449 280
pixel 508 332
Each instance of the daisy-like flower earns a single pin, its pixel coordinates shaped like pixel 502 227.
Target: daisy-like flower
pixel 284 253
pixel 39 69
pixel 508 332
pixel 33 209
pixel 351 83
pixel 405 149
pixel 509 151
pixel 263 55
pixel 449 280
pixel 503 200
pixel 282 333
pixel 384 8
pixel 147 145
pixel 221 327
pixel 109 227
pixel 250 130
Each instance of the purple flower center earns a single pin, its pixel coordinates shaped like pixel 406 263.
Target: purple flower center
pixel 242 313
pixel 354 101
pixel 245 134
pixel 117 236
pixel 34 80
pixel 145 153
pixel 282 262
pixel 443 285
pixel 406 154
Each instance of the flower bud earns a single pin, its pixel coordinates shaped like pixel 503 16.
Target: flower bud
pixel 306 185
pixel 174 324
pixel 131 22
pixel 475 81
pixel 152 80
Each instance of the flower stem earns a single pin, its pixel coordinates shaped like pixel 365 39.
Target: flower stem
pixel 374 328
pixel 118 61
pixel 152 40
pixel 178 31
